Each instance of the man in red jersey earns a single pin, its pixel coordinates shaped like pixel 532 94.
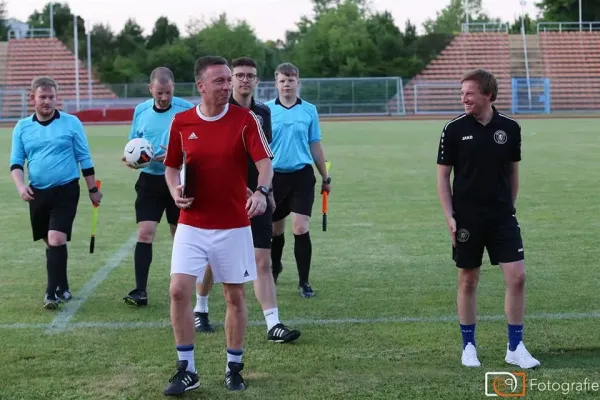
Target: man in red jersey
pixel 214 139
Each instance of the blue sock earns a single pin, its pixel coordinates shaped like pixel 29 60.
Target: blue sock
pixel 233 356
pixel 186 353
pixel 468 334
pixel 515 336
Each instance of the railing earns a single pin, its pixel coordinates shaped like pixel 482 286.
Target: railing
pixel 348 97
pixel 484 27
pixel 31 33
pixel 586 26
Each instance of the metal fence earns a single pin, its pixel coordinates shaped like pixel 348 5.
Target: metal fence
pixel 332 96
pixel 386 96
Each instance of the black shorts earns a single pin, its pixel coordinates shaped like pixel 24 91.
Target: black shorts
pixel 294 192
pixel 154 198
pixel 262 229
pixel 501 236
pixel 54 209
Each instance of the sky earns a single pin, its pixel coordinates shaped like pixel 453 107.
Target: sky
pixel 269 18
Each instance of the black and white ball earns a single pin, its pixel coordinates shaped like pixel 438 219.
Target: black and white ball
pixel 138 152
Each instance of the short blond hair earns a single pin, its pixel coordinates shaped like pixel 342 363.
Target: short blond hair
pixel 43 82
pixel 485 80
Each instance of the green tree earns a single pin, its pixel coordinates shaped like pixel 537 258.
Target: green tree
pixel 177 57
pixel 451 17
pixel 3 24
pixel 337 44
pixel 568 10
pixel 227 40
pixel 131 39
pixel 163 33
pixel 529 24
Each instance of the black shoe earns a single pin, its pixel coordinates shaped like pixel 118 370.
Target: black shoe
pixel 63 295
pixel 182 381
pixel 233 378
pixel 277 268
pixel 202 322
pixel 282 334
pixel 306 291
pixel 137 298
pixel 50 302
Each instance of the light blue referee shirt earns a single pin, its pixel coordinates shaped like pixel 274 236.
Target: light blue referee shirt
pixel 55 150
pixel 294 129
pixel 153 125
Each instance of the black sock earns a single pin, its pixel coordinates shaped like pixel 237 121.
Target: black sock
pixel 56 267
pixel 142 259
pixel 303 253
pixel 277 248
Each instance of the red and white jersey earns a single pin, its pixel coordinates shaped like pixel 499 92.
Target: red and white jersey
pixel 216 150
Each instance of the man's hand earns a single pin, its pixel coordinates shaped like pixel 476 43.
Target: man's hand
pixel 161 158
pixel 256 204
pixel 181 202
pixel 249 193
pixel 25 193
pixel 126 163
pixel 96 197
pixel 325 187
pixel 452 229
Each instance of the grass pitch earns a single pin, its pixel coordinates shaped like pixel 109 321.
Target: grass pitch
pixel 382 324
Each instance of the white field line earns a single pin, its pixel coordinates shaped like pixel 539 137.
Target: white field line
pixel 67 312
pixel 316 321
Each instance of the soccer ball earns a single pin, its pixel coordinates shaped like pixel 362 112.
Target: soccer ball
pixel 138 152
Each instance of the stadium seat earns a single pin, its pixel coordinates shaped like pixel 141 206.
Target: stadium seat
pixel 488 50
pixel 31 58
pixel 572 63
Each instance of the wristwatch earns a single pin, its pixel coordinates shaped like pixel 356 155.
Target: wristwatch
pixel 327 181
pixel 264 190
pixel 94 189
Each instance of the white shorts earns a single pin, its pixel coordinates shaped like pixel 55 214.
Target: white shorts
pixel 230 253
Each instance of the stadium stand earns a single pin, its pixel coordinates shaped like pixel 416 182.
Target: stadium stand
pixel 435 89
pixel 572 62
pixel 32 57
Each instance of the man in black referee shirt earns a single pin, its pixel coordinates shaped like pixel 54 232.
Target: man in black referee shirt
pixel 55 147
pixel 245 80
pixel 483 147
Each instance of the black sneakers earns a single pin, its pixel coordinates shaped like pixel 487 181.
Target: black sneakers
pixel 282 334
pixel 182 381
pixel 50 302
pixel 137 298
pixel 202 323
pixel 63 296
pixel 233 378
pixel 306 291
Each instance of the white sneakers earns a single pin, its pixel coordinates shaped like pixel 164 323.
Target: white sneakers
pixel 469 356
pixel 520 357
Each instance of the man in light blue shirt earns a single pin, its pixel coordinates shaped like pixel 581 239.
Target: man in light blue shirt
pixel 151 120
pixel 296 146
pixel 55 147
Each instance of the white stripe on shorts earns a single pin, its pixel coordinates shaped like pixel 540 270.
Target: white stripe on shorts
pixel 230 253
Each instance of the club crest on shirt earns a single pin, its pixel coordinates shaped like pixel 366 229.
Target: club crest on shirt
pixel 462 235
pixel 500 137
pixel 260 119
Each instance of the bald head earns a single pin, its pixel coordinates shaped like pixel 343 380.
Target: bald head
pixel 162 87
pixel 162 75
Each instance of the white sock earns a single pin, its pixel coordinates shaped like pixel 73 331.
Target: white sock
pixel 233 356
pixel 271 317
pixel 187 354
pixel 201 304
